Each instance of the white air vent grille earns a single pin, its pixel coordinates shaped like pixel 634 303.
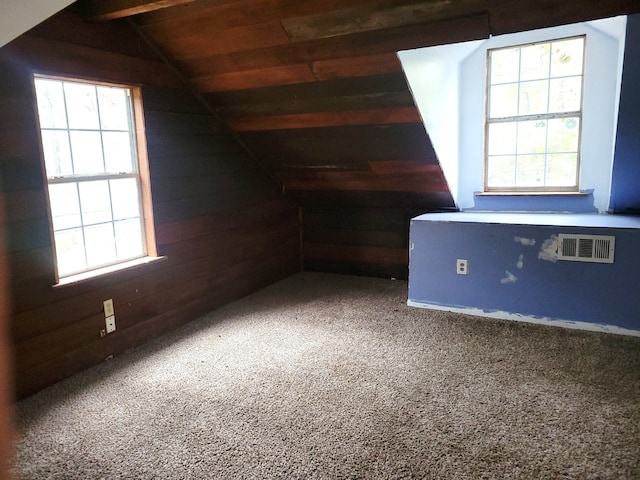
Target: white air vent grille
pixel 586 248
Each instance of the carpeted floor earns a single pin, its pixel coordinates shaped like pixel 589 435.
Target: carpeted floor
pixel 327 376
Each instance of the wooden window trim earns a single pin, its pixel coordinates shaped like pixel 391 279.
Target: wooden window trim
pixel 513 189
pixel 144 177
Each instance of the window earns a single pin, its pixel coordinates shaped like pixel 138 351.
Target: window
pixel 534 116
pixel 96 172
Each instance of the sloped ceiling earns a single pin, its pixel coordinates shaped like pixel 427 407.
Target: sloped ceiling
pixel 314 88
pixel 16 16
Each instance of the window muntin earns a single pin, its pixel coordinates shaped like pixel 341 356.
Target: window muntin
pixel 534 116
pixel 93 177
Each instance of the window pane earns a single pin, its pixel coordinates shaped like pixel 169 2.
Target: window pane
pixel 567 57
pixel 502 138
pixel 563 135
pixel 562 170
pixel 117 152
pixel 101 246
pixel 88 138
pixel 533 97
pixel 51 110
pixel 57 156
pixel 65 208
pixel 95 202
pixel 129 239
pixel 532 136
pixel 113 108
pixel 82 106
pixel 530 171
pixel 504 100
pixel 534 62
pixel 501 171
pixel 87 152
pixel 125 198
pixel 504 65
pixel 70 251
pixel 565 94
pixel 526 146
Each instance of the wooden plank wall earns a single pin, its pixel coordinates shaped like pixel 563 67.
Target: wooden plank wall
pixel 223 224
pixel 316 90
pixel 328 111
pixel 354 152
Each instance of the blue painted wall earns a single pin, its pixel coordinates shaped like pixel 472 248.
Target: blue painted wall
pixel 603 294
pixel 625 185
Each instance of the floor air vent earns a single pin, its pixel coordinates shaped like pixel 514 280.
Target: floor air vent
pixel 586 248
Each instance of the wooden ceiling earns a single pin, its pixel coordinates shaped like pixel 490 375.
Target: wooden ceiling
pixel 314 88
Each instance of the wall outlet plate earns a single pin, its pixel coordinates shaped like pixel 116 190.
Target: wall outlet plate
pixel 111 323
pixel 462 267
pixel 108 307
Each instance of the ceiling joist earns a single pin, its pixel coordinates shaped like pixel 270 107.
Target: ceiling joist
pixel 103 10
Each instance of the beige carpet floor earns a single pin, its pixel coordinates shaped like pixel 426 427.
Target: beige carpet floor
pixel 334 377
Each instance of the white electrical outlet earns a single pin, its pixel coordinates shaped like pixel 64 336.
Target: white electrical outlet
pixel 108 307
pixel 462 267
pixel 111 323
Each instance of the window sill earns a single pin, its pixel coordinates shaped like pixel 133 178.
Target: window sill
pixel 532 194
pixel 111 269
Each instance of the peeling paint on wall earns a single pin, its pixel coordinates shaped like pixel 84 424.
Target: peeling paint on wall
pixel 525 241
pixel 520 263
pixel 509 277
pixel 549 249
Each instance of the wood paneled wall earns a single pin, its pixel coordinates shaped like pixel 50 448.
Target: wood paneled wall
pixel 352 149
pixel 316 91
pixel 223 224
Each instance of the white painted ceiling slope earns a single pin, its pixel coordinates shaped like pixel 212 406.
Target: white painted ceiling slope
pixel 19 16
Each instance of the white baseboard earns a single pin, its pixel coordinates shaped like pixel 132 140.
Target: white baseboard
pixel 593 327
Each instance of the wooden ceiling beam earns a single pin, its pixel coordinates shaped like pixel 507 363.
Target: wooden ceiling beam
pixel 103 10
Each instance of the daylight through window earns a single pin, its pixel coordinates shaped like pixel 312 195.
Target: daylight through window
pixel 91 160
pixel 534 116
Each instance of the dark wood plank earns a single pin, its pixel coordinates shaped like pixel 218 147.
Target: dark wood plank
pixel 356 66
pixel 206 68
pixel 24 205
pixel 357 254
pixel 384 100
pixel 331 91
pixel 347 267
pixel 509 16
pixel 32 264
pixel 351 147
pixel 21 172
pixel 198 42
pixel 415 202
pixel 163 123
pixel 327 119
pixel 377 16
pixel 69 27
pixel 256 77
pixel 367 181
pixel 78 60
pixel 169 233
pixel 224 14
pixel 103 10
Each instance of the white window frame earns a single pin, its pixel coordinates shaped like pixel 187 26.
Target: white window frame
pixel 140 173
pixel 540 117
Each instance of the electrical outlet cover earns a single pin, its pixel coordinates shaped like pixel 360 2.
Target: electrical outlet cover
pixel 111 323
pixel 462 267
pixel 108 307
